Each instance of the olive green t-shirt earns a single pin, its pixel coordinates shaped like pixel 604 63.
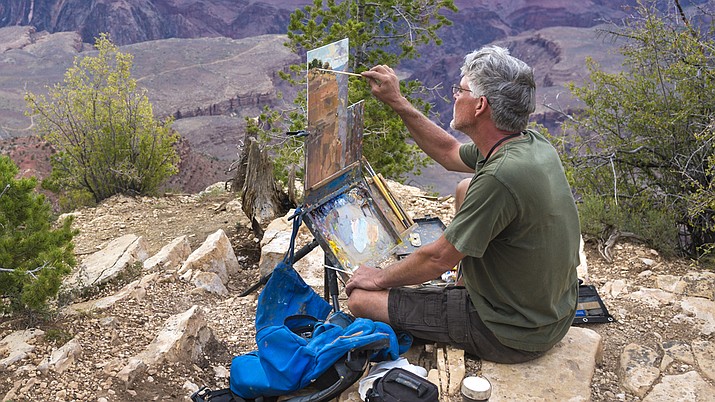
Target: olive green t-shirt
pixel 519 229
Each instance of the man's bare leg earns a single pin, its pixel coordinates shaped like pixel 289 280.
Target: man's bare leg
pixel 369 304
pixel 460 193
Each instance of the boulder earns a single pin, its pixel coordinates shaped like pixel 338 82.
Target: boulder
pixel 683 387
pixel 703 312
pixel 638 369
pixel 105 265
pixel 62 358
pixel 15 346
pixel 209 282
pixel 563 374
pixel 274 245
pixel 135 289
pixel 214 255
pixel 171 256
pixel 182 339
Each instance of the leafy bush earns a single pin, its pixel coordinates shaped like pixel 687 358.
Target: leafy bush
pixel 643 155
pixel 34 257
pixel 103 128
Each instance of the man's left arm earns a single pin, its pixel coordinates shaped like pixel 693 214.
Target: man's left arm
pixel 425 264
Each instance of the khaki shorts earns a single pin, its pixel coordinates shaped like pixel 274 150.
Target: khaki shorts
pixel 446 315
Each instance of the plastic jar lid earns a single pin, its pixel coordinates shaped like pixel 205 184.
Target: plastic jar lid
pixel 476 388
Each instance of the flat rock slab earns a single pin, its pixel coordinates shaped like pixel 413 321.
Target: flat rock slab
pixel 563 374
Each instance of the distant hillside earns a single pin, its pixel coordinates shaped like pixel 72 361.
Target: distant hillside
pixel 209 80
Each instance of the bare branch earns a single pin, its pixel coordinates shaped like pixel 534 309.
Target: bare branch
pixel 30 272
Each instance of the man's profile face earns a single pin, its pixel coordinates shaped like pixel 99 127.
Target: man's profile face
pixel 463 108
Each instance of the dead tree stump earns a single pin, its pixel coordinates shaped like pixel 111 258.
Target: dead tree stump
pixel 262 199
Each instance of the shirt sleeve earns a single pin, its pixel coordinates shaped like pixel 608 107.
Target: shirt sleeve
pixel 469 153
pixel 488 208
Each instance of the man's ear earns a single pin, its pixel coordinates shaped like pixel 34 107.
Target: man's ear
pixel 482 106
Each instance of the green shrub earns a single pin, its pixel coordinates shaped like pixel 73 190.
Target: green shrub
pixel 34 256
pixel 103 128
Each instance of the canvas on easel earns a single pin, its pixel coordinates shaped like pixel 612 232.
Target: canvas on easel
pixel 348 207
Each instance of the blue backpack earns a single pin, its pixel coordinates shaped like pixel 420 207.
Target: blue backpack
pixel 301 346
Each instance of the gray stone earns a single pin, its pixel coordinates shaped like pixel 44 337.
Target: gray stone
pixel 680 351
pixel 182 338
pixel 106 264
pixel 563 374
pixel 209 282
pixel 615 288
pixel 704 312
pixel 15 346
pixel 62 358
pixel 684 387
pixel 214 255
pixel 638 369
pixel 653 297
pixel 693 284
pixel 582 269
pixel 135 289
pixel 705 356
pixel 171 256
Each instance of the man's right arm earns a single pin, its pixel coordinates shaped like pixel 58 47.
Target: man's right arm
pixel 432 139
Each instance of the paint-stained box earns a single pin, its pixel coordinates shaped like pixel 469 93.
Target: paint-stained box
pixel 427 229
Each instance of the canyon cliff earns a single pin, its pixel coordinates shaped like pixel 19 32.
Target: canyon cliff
pixel 204 63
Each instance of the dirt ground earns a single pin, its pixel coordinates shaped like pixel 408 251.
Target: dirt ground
pixel 110 337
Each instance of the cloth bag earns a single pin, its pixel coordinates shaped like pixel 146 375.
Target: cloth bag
pixel 284 361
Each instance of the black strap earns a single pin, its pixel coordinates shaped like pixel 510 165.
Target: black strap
pixel 508 137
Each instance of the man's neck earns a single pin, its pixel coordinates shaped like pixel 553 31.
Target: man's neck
pixel 486 139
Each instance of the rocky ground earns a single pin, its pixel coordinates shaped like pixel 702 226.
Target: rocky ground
pixel 108 338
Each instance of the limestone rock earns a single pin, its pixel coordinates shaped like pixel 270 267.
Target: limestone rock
pixel 562 374
pixel 680 351
pixel 182 339
pixel 615 288
pixel 106 264
pixel 705 356
pixel 582 269
pixel 274 245
pixel 171 256
pixel 209 282
pixel 653 297
pixel 15 346
pixel 684 387
pixel 214 255
pixel 63 357
pixel 704 312
pixel 694 284
pixel 638 369
pixel 135 289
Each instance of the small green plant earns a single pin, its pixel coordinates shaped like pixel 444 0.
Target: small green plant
pixel 34 256
pixel 57 336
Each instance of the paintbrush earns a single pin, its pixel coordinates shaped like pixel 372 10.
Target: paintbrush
pixel 348 273
pixel 338 72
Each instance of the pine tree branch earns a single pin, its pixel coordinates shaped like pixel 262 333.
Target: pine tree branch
pixel 30 272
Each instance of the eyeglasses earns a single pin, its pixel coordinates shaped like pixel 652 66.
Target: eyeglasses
pixel 456 89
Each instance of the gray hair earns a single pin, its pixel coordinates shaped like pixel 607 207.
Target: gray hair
pixel 506 82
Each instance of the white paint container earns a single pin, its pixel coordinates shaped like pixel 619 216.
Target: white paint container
pixel 476 388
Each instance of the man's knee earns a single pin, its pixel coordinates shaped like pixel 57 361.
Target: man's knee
pixel 368 304
pixel 460 193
